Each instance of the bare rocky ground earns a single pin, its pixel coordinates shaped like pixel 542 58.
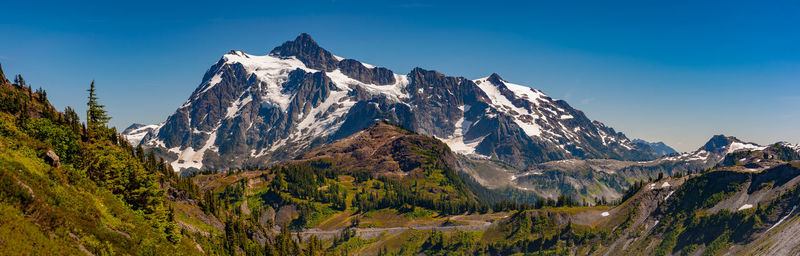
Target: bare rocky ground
pixel 466 223
pixel 644 203
pixel 781 241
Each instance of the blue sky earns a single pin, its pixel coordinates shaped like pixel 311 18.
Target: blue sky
pixel 672 71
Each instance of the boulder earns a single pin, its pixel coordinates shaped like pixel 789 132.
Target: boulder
pixel 52 159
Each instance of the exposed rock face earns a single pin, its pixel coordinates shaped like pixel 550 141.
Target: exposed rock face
pixel 52 159
pixel 255 110
pixel 285 215
pixel 375 75
pixel 306 50
pixel 3 79
pixel 313 56
pixel 718 143
pixel 439 99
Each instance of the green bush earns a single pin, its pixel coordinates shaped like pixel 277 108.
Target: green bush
pixel 65 143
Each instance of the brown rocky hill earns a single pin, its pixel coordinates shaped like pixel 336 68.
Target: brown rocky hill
pixel 383 149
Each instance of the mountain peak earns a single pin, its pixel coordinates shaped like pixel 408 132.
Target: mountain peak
pixel 722 144
pixel 304 37
pixel 718 143
pixel 308 51
pixel 133 126
pixel 495 78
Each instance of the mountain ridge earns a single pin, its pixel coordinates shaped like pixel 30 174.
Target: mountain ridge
pixel 253 109
pixel 660 147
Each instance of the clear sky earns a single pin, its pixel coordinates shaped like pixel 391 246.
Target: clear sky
pixel 672 71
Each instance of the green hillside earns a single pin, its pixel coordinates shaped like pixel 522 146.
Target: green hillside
pixel 68 187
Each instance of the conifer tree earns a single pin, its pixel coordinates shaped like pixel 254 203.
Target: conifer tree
pixel 72 119
pixel 19 81
pixel 96 116
pixel 41 95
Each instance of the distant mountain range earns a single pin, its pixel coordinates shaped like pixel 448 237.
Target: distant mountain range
pixel 260 109
pixel 658 147
pixel 593 179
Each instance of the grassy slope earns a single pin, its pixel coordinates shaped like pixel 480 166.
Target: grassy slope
pixel 56 209
pixel 59 211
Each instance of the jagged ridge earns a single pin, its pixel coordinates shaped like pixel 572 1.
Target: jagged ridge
pixel 253 110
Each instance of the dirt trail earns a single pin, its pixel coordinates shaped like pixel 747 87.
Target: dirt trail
pixel 367 233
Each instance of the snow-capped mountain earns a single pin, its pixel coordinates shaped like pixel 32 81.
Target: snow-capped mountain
pixel 257 109
pixel 796 147
pixel 136 132
pixel 715 150
pixel 596 178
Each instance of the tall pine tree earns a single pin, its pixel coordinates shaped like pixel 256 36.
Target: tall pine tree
pixel 96 116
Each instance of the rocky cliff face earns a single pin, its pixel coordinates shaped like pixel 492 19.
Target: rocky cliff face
pixel 3 79
pixel 254 110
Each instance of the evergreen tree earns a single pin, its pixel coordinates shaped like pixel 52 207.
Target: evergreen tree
pixel 140 153
pixel 96 116
pixel 23 115
pixel 41 95
pixel 19 81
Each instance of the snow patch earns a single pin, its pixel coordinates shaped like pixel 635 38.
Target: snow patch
pixel 700 155
pixel 135 136
pixel 396 92
pixel 191 158
pixel 738 146
pixel 783 219
pixel 211 83
pixel 745 206
pixel 272 73
pixel 456 141
pixel 604 214
pixel 502 103
pixel 237 105
pixel 668 195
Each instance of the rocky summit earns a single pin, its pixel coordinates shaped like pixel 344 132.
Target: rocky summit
pixel 260 109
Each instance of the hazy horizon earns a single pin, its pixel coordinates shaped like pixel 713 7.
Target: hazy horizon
pixel 661 72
